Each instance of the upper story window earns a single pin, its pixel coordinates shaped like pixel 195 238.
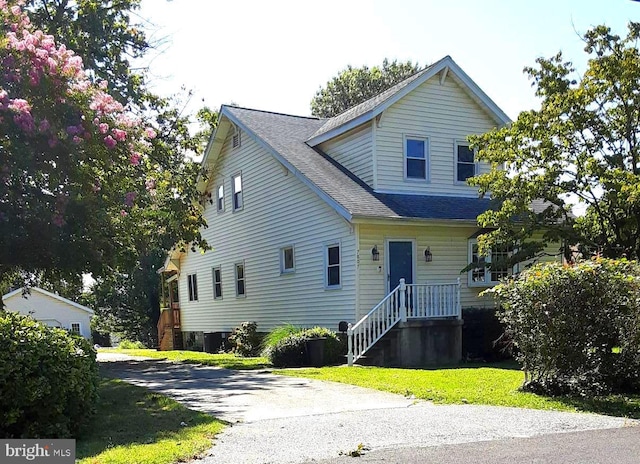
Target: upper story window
pixel 237 192
pixel 287 260
pixel 332 261
pixel 217 283
pixel 416 154
pixel 192 283
pixel 220 197
pixel 240 280
pixel 466 165
pixel 484 274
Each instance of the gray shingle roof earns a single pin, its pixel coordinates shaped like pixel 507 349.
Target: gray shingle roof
pixel 286 136
pixel 366 106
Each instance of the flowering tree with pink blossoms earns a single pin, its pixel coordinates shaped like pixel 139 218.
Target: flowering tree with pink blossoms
pixel 82 179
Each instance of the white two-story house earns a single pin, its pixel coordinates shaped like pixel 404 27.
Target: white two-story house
pixel 317 221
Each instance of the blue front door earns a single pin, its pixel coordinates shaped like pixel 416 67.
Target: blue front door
pixel 400 263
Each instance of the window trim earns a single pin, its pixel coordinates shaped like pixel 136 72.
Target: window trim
pixel 192 286
pixel 234 192
pixel 328 245
pixel 487 268
pixel 213 279
pixel 464 143
pixel 244 279
pixel 427 158
pixel 79 332
pixel 283 269
pixel 220 203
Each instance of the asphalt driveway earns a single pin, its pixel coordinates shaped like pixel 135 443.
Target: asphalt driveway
pixel 278 419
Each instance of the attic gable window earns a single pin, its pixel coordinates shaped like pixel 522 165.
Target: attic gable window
pixel 466 166
pixel 416 154
pixel 236 182
pixel 220 198
pixel 235 139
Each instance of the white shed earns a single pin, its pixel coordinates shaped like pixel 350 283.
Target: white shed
pixel 51 309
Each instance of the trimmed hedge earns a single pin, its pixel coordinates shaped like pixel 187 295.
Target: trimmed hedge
pixel 291 351
pixel 48 379
pixel 576 328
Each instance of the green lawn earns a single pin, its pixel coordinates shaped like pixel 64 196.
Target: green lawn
pixel 136 426
pixel 226 360
pixel 491 385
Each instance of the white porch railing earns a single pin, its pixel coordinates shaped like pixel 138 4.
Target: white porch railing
pixel 413 301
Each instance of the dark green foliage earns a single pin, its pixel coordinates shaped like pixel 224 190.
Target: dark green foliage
pixel 245 340
pixel 576 328
pixel 355 85
pixel 291 351
pixel 48 379
pixel 582 144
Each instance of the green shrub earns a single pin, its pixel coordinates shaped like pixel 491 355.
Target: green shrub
pixel 131 345
pixel 276 335
pixel 245 340
pixel 576 328
pixel 48 379
pixel 291 351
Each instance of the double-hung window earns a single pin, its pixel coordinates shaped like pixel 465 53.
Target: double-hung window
pixel 489 270
pixel 217 283
pixel 192 284
pixel 416 154
pixel 220 197
pixel 75 328
pixel 240 280
pixel 238 203
pixel 465 162
pixel 332 262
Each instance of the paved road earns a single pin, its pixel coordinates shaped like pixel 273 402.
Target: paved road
pixel 279 419
pixel 608 446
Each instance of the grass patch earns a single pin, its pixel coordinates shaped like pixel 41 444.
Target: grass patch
pixel 134 425
pixel 226 360
pixel 496 385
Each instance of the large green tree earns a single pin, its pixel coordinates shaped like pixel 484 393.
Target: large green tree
pixel 582 145
pixel 354 85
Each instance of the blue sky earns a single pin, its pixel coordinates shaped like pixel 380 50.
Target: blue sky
pixel 274 55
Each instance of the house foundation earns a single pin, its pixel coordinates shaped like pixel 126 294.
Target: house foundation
pixel 429 342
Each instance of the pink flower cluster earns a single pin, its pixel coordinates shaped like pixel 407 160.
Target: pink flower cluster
pixel 28 59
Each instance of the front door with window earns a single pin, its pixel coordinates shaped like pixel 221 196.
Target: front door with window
pixel 400 263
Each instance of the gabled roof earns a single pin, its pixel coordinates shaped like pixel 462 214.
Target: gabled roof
pixel 49 294
pixel 284 137
pixel 293 140
pixel 371 108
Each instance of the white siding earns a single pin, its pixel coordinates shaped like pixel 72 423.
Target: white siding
pixel 354 151
pixel 448 244
pixel 51 311
pixel 444 114
pixel 279 210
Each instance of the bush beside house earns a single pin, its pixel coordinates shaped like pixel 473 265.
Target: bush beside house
pixel 293 350
pixel 576 328
pixel 48 379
